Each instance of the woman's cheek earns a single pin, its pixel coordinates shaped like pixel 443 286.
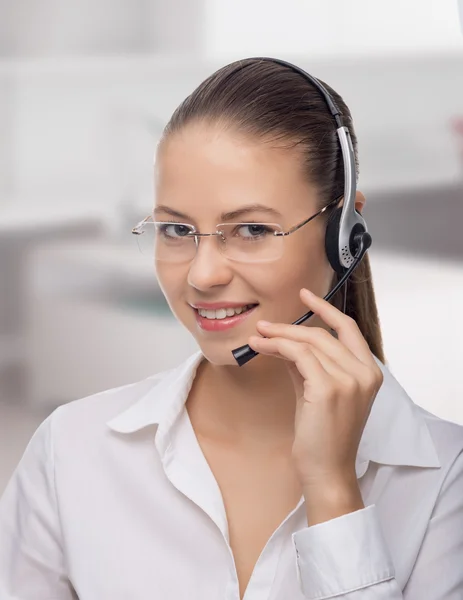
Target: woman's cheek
pixel 170 286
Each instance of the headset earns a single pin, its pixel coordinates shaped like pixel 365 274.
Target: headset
pixel 346 238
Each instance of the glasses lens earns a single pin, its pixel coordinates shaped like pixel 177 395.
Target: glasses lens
pixel 167 241
pixel 252 242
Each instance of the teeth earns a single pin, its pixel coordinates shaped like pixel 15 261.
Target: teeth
pixel 221 313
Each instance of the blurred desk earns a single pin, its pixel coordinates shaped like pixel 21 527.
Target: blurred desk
pixel 96 269
pixel 22 228
pixel 98 319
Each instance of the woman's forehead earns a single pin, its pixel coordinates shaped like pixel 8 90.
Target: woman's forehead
pixel 224 171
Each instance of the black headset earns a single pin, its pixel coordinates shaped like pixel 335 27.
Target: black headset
pixel 347 238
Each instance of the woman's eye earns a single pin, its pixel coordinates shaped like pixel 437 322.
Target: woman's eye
pixel 174 230
pixel 253 230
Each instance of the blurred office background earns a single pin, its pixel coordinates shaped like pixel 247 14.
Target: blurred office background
pixel 85 90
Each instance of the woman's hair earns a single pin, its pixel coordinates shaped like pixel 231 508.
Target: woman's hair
pixel 271 102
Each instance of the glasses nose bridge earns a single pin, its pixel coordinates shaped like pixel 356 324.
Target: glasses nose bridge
pixel 221 246
pixel 216 233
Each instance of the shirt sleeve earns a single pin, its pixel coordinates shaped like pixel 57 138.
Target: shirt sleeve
pixel 31 556
pixel 347 558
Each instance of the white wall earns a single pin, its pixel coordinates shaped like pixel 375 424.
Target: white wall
pixel 318 28
pixel 419 303
pixel 100 27
pixel 81 129
pixel 54 28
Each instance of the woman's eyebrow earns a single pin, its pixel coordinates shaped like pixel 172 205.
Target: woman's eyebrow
pixel 249 208
pixel 171 212
pixel 233 214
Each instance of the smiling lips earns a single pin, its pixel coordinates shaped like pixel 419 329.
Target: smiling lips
pixel 218 317
pixel 222 313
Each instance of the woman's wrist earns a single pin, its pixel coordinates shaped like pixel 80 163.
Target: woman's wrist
pixel 330 499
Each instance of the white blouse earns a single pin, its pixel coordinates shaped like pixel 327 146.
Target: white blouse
pixel 114 500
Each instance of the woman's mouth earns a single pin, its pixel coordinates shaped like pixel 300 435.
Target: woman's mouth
pixel 220 319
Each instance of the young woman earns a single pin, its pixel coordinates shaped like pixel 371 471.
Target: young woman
pixel 308 473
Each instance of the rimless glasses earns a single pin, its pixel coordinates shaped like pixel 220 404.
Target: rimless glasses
pixel 252 242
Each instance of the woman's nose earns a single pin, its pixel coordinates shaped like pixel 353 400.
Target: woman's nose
pixel 209 267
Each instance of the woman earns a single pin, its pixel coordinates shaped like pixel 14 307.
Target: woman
pixel 307 473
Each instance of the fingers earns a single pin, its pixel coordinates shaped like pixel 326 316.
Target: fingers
pixel 310 362
pixel 318 338
pixel 347 329
pixel 348 358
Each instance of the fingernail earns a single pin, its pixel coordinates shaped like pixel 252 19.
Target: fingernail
pixel 263 323
pixel 307 292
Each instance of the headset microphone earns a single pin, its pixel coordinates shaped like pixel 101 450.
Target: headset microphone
pixel 347 238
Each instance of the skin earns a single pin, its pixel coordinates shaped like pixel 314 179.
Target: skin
pixel 308 395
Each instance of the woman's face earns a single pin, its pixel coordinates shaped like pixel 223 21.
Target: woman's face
pixel 202 172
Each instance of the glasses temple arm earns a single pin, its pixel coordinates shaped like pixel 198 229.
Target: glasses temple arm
pixel 138 226
pixel 299 225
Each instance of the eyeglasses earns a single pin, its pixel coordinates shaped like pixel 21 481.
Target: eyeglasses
pixel 169 241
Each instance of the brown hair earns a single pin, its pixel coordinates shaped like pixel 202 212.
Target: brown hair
pixel 270 101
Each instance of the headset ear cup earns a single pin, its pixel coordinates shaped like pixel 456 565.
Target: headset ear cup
pixel 332 240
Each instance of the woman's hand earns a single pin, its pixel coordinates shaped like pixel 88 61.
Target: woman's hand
pixel 336 382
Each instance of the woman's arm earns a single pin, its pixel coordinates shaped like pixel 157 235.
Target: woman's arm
pixel 342 554
pixel 31 556
pixel 347 558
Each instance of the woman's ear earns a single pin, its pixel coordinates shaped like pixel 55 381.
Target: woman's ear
pixel 360 201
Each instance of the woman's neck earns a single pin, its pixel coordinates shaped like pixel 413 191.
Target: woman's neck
pixel 247 406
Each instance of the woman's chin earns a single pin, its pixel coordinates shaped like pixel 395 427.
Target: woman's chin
pixel 219 352
pixel 219 356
